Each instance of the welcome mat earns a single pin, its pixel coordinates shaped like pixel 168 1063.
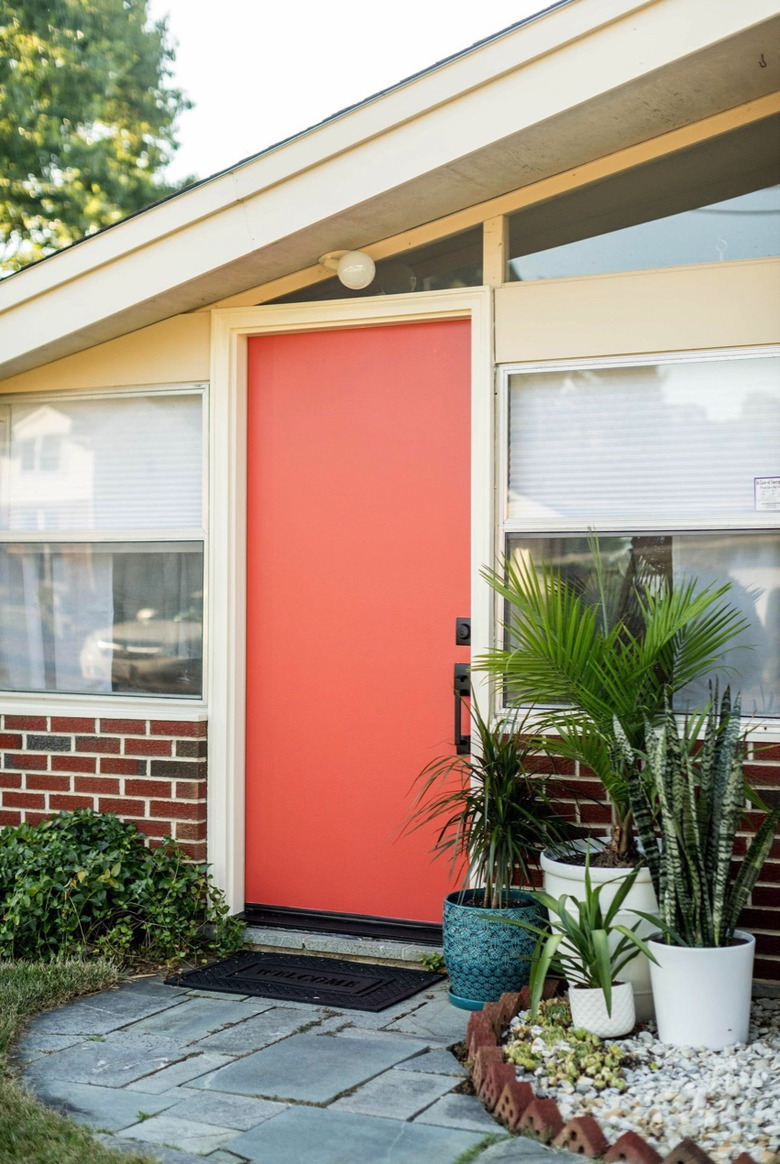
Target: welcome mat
pixel 302 978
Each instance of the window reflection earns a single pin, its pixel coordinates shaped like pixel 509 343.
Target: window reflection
pixel 122 618
pixel 747 227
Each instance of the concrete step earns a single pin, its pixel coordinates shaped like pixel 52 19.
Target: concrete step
pixel 341 945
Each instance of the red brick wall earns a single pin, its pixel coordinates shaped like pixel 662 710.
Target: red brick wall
pixel 762 914
pixel 151 772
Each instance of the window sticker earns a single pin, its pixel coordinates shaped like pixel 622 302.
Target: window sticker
pixel 767 493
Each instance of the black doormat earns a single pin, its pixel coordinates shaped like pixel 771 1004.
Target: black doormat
pixel 302 978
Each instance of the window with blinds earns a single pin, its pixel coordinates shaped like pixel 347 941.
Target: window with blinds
pixel 674 461
pixel 101 543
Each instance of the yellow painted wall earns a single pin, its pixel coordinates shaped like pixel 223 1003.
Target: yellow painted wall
pixel 677 309
pixel 176 351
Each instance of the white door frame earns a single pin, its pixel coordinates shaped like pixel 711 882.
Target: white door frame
pixel 226 580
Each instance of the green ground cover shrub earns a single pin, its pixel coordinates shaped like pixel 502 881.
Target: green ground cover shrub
pixel 83 880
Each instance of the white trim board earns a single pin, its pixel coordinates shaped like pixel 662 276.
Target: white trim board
pixel 227 564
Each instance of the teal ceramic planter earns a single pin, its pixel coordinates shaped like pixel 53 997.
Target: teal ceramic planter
pixel 485 959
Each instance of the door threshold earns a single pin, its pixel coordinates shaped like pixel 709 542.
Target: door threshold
pixel 347 934
pixel 341 945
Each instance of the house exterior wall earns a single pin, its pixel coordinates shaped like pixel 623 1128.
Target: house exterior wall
pixel 149 771
pixel 144 761
pixel 149 764
pixel 176 351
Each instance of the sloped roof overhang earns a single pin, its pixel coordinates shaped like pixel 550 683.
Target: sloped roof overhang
pixel 584 80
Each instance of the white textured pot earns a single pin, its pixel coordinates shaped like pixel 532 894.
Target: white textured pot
pixel 589 1010
pixel 560 877
pixel 702 995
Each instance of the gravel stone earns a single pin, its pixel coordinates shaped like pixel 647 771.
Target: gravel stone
pixel 726 1101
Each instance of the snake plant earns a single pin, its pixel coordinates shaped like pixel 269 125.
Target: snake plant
pixel 700 792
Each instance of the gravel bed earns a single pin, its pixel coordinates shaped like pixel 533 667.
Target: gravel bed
pixel 727 1101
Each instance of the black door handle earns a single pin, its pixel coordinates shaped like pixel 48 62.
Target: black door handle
pixel 462 689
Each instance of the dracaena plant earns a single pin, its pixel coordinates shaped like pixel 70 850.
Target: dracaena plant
pixel 700 791
pixel 493 812
pixel 603 650
pixel 577 945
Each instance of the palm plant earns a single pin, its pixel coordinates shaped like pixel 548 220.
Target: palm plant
pixel 604 652
pixel 701 794
pixel 493 814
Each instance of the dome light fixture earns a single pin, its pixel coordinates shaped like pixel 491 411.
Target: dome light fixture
pixel 355 269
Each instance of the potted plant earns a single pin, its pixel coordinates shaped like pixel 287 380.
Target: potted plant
pixel 606 647
pixel 703 968
pixel 598 649
pixel 588 947
pixel 494 815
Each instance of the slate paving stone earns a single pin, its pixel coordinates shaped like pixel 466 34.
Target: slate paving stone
pixel 380 1019
pixel 524 1150
pixel 166 1155
pixel 228 1111
pixel 438 1062
pixel 436 1021
pixel 260 1030
pixel 307 1067
pixel 187 1135
pixel 310 1135
pixel 400 1038
pixel 178 1073
pixel 397 1095
pixel 459 1111
pixel 32 1045
pixel 111 1063
pixel 194 1019
pixel 99 1107
pixel 99 1016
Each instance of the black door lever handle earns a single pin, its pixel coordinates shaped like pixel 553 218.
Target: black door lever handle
pixel 462 690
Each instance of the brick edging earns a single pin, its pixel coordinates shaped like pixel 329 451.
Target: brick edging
pixel 516 1105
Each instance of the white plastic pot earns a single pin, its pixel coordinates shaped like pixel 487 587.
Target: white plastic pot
pixel 560 877
pixel 702 995
pixel 589 1010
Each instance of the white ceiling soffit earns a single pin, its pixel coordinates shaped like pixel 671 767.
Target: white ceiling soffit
pixel 582 81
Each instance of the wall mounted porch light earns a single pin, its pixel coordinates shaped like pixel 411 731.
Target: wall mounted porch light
pixel 355 269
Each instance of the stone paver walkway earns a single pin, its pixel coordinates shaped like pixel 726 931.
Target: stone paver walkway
pixel 186 1075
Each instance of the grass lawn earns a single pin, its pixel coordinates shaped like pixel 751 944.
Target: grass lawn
pixel 29 1132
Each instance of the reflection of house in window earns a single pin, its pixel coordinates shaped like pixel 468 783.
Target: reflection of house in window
pixel 51 472
pixel 40 453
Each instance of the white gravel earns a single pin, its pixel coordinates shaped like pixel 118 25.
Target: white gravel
pixel 727 1101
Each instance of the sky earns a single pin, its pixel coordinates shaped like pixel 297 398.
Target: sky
pixel 259 71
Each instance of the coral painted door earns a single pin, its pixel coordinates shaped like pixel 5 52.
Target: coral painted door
pixel 358 566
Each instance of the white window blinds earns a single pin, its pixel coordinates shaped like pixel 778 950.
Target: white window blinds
pixel 653 445
pixel 109 464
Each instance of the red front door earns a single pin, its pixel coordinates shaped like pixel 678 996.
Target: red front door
pixel 358 566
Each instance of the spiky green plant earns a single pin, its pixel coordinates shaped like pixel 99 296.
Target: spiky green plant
pixel 606 650
pixel 701 794
pixel 494 813
pixel 578 948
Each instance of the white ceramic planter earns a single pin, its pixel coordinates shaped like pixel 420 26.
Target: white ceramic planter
pixel 561 878
pixel 702 996
pixel 589 1010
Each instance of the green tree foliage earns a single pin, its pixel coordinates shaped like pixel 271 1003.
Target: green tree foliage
pixel 86 119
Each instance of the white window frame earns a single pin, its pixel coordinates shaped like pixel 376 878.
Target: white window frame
pixel 107 705
pixel 757 729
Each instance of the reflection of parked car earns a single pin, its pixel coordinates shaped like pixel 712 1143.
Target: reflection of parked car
pixel 160 655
